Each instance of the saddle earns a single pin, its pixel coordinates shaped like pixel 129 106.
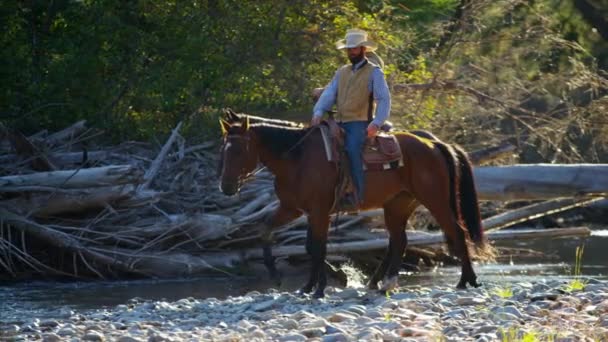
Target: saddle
pixel 379 153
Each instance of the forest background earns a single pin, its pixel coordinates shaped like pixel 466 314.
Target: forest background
pixel 474 72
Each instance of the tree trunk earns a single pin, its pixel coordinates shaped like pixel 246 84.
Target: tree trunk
pixel 72 179
pixel 541 181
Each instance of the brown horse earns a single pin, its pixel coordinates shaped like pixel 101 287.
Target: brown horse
pixel 437 175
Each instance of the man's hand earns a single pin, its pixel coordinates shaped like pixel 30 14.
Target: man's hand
pixel 315 120
pixel 372 130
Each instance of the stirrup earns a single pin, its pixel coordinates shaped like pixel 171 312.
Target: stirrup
pixel 348 203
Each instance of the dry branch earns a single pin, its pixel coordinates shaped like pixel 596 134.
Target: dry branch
pixel 156 164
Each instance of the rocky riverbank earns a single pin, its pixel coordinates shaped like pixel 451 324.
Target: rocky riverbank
pixel 507 312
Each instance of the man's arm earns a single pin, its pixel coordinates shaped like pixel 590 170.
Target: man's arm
pixel 327 99
pixel 382 96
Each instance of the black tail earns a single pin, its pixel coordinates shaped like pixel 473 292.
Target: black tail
pixel 453 171
pixel 469 205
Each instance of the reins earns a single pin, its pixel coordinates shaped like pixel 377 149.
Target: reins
pixel 260 169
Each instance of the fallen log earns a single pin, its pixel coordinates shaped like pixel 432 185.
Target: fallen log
pixel 72 179
pixel 45 204
pixel 534 211
pixel 541 181
pixel 491 153
pixel 67 133
pixel 422 239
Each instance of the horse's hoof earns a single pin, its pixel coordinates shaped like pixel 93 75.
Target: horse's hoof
pixel 372 286
pixel 318 294
pixel 303 291
pixel 277 278
pixel 461 286
pixel 475 284
pixel 389 284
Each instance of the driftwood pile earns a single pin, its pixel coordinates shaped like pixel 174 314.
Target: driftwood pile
pixel 71 208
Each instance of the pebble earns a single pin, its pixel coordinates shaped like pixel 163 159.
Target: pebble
pixel 351 314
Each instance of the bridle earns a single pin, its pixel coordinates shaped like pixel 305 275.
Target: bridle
pixel 242 177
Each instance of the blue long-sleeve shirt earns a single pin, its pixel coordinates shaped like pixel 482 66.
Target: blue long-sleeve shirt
pixel 377 86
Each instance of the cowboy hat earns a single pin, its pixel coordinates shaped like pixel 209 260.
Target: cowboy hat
pixel 355 38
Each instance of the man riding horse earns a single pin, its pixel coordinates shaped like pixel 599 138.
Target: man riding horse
pixel 357 89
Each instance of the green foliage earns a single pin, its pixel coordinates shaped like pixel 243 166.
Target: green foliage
pixel 577 284
pixel 135 68
pixel 504 292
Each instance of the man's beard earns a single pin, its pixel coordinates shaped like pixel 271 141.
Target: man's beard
pixel 358 58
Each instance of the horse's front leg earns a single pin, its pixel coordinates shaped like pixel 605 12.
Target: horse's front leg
pixel 280 217
pixel 316 246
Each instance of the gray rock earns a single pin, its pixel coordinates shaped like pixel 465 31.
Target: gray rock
pixel 510 309
pixel 544 296
pixel 470 301
pixel 49 323
pixel 486 329
pixel 341 317
pixel 51 337
pixel 292 338
pixel 456 314
pixel 348 293
pixel 66 332
pixel 93 335
pixel 331 329
pixel 337 337
pixel 127 338
pixel 11 329
pixel 313 332
pixel 403 296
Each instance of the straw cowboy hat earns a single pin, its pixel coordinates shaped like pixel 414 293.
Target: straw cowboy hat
pixel 355 38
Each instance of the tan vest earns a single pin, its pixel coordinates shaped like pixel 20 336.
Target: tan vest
pixel 353 95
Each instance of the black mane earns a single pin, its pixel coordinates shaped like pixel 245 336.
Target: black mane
pixel 274 122
pixel 281 140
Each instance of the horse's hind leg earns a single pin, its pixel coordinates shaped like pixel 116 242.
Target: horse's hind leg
pixel 456 239
pixel 396 213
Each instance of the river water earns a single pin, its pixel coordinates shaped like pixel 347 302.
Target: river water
pixel 19 302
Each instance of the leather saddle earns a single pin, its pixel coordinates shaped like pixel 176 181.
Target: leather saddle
pixel 379 153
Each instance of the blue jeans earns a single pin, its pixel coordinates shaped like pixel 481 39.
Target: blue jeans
pixel 356 132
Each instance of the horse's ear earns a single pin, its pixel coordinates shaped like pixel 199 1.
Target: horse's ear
pixel 231 115
pixel 246 123
pixel 225 126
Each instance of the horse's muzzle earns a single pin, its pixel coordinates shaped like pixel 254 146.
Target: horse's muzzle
pixel 229 188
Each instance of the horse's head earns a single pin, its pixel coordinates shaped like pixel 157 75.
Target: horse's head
pixel 239 156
